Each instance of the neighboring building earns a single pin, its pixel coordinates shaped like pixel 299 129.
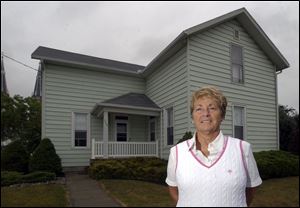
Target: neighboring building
pixel 93 107
pixel 37 92
pixel 3 79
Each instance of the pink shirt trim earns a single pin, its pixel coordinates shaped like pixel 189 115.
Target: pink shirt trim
pixel 223 150
pixel 243 159
pixel 176 158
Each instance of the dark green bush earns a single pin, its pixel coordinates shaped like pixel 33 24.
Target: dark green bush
pixel 140 168
pixel 186 136
pixel 38 176
pixel 10 177
pixel 44 158
pixel 276 164
pixel 14 157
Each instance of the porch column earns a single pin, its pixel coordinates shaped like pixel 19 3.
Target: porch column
pixel 105 134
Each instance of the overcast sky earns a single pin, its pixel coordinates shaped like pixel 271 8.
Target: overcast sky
pixel 133 32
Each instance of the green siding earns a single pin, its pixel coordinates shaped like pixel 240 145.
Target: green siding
pixel 209 64
pixel 167 86
pixel 73 89
pixel 205 60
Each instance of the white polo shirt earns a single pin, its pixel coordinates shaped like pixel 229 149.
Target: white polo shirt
pixel 215 149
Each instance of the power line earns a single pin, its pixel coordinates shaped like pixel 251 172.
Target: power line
pixel 18 62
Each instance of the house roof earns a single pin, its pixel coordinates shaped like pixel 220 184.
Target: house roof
pixel 54 55
pixel 130 101
pixel 245 19
pixel 241 15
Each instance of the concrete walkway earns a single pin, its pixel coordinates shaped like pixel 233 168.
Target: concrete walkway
pixel 86 192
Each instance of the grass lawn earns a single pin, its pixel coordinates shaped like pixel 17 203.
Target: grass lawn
pixel 283 192
pixel 138 193
pixel 278 192
pixel 44 195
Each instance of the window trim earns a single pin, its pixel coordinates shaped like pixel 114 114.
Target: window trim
pixel 231 64
pixel 245 120
pixel 166 125
pixel 88 139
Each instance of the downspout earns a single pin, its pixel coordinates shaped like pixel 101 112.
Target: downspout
pixel 161 133
pixel 188 84
pixel 43 111
pixel 277 108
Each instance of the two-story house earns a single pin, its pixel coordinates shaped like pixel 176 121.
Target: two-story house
pixel 94 107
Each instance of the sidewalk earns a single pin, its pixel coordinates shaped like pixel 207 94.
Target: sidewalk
pixel 86 192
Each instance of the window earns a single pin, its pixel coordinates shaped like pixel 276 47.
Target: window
pixel 239 122
pixel 170 130
pixel 80 129
pixel 121 128
pixel 237 64
pixel 152 129
pixel 236 34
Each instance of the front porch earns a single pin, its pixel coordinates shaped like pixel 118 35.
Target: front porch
pixel 124 149
pixel 129 127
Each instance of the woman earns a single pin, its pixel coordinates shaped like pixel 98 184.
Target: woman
pixel 211 169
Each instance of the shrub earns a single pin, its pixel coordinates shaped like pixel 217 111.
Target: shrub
pixel 14 157
pixel 10 177
pixel 38 176
pixel 186 136
pixel 140 168
pixel 44 158
pixel 276 164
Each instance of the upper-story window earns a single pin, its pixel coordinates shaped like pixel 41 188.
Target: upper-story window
pixel 237 64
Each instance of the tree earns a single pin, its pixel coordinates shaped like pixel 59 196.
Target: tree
pixel 289 129
pixel 21 119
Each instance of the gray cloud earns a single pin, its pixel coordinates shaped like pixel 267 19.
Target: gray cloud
pixel 133 32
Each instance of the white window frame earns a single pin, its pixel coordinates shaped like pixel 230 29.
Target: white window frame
pixel 152 120
pixel 244 119
pixel 166 125
pixel 243 65
pixel 88 139
pixel 116 121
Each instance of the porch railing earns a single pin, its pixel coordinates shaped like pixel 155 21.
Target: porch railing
pixel 124 149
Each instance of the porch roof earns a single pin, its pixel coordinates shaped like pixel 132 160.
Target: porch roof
pixel 130 102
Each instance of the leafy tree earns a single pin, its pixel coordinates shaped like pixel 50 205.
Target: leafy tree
pixel 289 129
pixel 14 157
pixel 21 119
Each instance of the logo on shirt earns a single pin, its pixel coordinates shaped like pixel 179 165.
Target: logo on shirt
pixel 229 171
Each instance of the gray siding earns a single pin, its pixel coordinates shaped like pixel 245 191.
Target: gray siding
pixel 209 64
pixel 70 90
pixel 167 86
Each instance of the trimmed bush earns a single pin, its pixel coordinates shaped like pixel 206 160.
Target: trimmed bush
pixel 38 176
pixel 14 157
pixel 140 168
pixel 44 158
pixel 276 164
pixel 10 177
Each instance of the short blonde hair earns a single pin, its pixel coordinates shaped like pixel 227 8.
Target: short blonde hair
pixel 212 92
